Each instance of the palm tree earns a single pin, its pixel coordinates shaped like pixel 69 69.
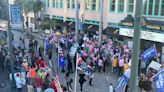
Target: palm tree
pixel 37 7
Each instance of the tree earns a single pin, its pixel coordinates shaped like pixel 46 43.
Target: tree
pixel 3 9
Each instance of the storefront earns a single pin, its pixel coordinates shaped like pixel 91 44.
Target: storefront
pixel 152 32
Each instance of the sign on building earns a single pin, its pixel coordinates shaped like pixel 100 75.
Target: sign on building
pixel 152 36
pixel 16 17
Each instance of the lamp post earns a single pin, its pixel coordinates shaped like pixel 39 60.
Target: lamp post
pixel 9 35
pixel 100 23
pixel 136 46
pixel 77 21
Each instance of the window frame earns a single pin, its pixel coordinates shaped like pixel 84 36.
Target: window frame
pixel 111 4
pixel 128 6
pixel 119 5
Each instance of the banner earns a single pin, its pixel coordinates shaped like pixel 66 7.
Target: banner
pixel 159 81
pixel 83 67
pixel 16 17
pixel 122 82
pixel 149 53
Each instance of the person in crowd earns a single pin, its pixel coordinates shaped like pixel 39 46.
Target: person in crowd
pixel 19 83
pixel 111 89
pixel 81 80
pixel 2 61
pixel 91 67
pixel 69 65
pixel 69 81
pixel 100 64
pixel 114 65
pixel 46 81
pixel 143 67
pixel 121 65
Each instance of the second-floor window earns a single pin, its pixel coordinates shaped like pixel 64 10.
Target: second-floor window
pixel 112 5
pixel 61 3
pixel 93 5
pixel 53 3
pixel 154 7
pixel 87 4
pixel 73 4
pixel 68 4
pixel 48 3
pixel 130 6
pixel 57 4
pixel 120 5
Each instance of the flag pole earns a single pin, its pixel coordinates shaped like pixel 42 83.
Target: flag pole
pixel 156 52
pixel 58 60
pixel 77 55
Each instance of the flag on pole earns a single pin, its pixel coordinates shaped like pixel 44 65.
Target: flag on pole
pixel 149 53
pixel 61 61
pixel 46 44
pixel 57 83
pixel 159 81
pixel 123 80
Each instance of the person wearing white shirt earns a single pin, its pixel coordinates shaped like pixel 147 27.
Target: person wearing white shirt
pixel 111 89
pixel 19 82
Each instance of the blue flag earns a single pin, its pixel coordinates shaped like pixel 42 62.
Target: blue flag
pixel 61 61
pixel 122 82
pixel 159 81
pixel 46 44
pixel 149 53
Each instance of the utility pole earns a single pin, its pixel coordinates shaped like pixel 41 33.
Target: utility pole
pixel 77 21
pixel 100 23
pixel 136 46
pixel 10 46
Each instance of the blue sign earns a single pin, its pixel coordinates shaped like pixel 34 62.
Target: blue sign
pixel 61 61
pixel 159 81
pixel 122 82
pixel 15 14
pixel 149 53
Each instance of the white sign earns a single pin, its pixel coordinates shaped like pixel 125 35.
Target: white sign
pixel 152 36
pixel 162 49
pixel 155 65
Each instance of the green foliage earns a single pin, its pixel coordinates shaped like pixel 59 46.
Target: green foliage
pixel 48 24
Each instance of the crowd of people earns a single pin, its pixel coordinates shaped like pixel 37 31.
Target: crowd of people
pixel 32 70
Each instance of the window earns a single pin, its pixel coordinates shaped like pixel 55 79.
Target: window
pixel 112 5
pixel 130 6
pixel 57 4
pixel 120 5
pixel 87 4
pixel 93 5
pixel 68 4
pixel 162 8
pixel 61 3
pixel 53 3
pixel 150 7
pixel 73 4
pixel 156 7
pixel 79 4
pixel 48 3
pixel 99 5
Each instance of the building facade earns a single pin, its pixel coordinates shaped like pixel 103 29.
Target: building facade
pixel 118 17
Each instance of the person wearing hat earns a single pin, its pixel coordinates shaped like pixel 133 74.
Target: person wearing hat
pixel 24 65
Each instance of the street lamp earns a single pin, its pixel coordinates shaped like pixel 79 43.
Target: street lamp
pixel 9 35
pixel 136 46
